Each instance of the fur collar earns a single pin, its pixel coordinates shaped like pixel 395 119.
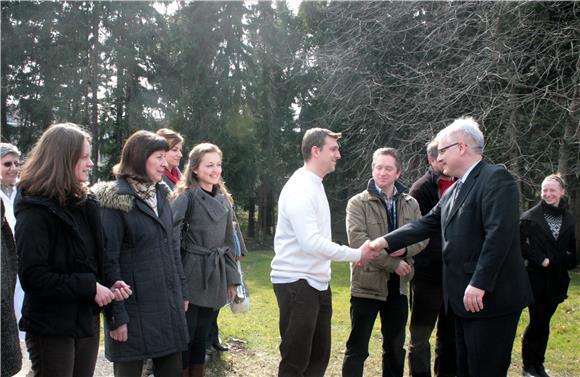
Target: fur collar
pixel 119 195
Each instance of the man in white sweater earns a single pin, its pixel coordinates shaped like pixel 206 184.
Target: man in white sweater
pixel 304 250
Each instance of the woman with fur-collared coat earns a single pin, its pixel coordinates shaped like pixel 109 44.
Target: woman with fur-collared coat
pixel 207 247
pixel 138 224
pixel 548 244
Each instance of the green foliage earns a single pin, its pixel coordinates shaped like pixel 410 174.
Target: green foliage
pixel 251 77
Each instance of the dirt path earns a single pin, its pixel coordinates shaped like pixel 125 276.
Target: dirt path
pixel 237 362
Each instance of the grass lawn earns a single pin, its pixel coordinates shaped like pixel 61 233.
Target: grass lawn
pixel 254 336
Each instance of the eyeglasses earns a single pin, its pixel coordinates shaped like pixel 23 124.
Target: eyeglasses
pixel 8 164
pixel 444 149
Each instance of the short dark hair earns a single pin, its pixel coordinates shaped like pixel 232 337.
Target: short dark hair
pixel 136 151
pixel 389 152
pixel 432 149
pixel 315 137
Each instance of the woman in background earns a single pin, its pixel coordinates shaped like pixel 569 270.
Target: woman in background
pixel 60 249
pixel 549 246
pixel 203 221
pixel 173 156
pixel 137 219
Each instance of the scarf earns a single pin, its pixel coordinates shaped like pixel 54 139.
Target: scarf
pixel 147 192
pixel 553 216
pixel 173 174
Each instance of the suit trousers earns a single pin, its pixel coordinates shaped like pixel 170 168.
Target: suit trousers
pixel 535 339
pixel 363 312
pixel 484 345
pixel 427 309
pixel 305 315
pixel 60 356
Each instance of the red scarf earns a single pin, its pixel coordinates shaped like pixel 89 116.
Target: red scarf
pixel 173 174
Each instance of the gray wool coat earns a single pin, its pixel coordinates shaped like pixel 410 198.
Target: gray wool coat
pixel 141 251
pixel 208 249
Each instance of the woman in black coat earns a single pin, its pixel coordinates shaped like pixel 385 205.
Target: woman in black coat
pixel 549 247
pixel 60 250
pixel 138 224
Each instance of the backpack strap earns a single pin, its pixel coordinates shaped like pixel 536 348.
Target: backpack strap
pixel 187 218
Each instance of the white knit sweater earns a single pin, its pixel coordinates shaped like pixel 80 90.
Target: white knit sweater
pixel 302 242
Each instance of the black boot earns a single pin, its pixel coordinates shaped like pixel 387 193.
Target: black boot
pixel 530 371
pixel 541 371
pixel 218 345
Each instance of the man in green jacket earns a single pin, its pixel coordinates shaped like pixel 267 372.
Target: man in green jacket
pixel 382 285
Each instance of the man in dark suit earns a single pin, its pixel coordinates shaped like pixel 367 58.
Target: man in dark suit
pixel 484 279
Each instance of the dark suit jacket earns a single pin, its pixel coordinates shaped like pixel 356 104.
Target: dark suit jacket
pixel 480 235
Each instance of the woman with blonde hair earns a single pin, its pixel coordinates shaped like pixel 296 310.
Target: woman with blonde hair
pixel 141 250
pixel 548 244
pixel 61 255
pixel 173 156
pixel 203 222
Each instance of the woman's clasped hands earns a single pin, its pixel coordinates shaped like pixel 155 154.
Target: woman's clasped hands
pixel 119 291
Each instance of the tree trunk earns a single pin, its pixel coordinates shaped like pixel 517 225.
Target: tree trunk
pixel 94 82
pixel 265 209
pixel 252 218
pixel 4 121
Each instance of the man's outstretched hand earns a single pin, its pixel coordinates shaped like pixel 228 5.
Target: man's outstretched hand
pixel 367 253
pixel 380 243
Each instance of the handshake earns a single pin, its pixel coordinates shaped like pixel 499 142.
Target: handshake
pixel 371 249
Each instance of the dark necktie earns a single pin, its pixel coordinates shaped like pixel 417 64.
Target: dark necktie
pixel 456 192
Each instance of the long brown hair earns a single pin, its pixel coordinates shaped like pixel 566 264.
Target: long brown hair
pixel 189 179
pixel 50 168
pixel 136 151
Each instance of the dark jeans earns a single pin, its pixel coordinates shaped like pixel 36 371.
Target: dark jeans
pixel 61 356
pixel 484 345
pixel 535 339
pixel 169 366
pixel 305 315
pixel 427 308
pixel 199 321
pixel 363 312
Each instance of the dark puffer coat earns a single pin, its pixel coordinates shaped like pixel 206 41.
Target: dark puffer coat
pixel 57 271
pixel 538 243
pixel 142 252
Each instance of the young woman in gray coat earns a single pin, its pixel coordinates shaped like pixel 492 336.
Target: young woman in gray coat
pixel 202 211
pixel 138 225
